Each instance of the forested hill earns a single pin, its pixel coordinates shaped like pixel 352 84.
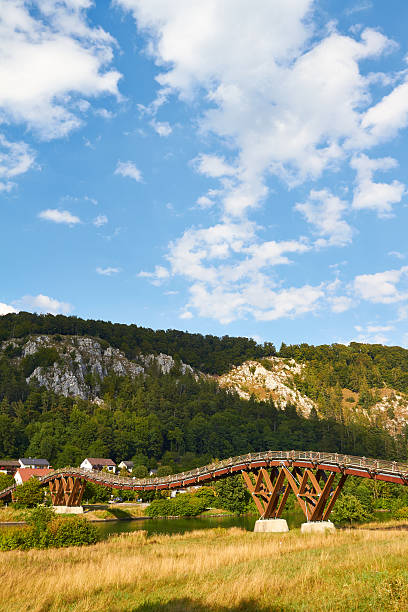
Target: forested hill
pixel 209 354
pixel 153 408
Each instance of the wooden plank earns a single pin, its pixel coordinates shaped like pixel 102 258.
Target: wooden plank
pixel 334 496
pixel 317 513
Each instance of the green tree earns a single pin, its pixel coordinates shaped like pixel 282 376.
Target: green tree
pixel 349 509
pixel 30 494
pixel 232 495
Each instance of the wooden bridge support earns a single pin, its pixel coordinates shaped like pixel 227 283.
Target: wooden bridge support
pixel 67 491
pixel 316 492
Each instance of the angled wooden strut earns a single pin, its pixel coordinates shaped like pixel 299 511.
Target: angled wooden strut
pixel 67 491
pixel 315 492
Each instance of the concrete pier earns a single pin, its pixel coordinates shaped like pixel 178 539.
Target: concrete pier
pixel 317 527
pixel 271 526
pixel 68 509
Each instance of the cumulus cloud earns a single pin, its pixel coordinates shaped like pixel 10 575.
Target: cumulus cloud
pixel 285 100
pixel 43 303
pixel 375 196
pixel 59 216
pixel 100 220
pixel 6 309
pixel 129 170
pixel 157 277
pixel 213 166
pixel 162 128
pixel 373 334
pixel 324 211
pixel 109 271
pixel 51 59
pixel 15 158
pixel 381 287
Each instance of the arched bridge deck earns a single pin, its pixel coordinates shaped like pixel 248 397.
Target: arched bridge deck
pixel 315 478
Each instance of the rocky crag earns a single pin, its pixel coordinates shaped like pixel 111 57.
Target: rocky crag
pixel 82 363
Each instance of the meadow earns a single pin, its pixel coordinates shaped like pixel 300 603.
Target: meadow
pixel 215 570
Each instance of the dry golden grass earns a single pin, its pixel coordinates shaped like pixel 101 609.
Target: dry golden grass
pixel 214 570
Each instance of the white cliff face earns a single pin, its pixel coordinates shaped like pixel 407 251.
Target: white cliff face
pixel 83 363
pixel 275 381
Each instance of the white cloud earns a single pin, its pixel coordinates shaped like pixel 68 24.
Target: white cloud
pixel 213 166
pixel 373 334
pixel 157 277
pixel 100 220
pixel 15 158
pixel 324 211
pixel 162 128
pixel 6 309
pixel 396 254
pixel 284 99
pixel 129 169
pixel 51 59
pixel 375 196
pixel 43 303
pixel 340 303
pixel 104 113
pixel 381 287
pixel 109 271
pixel 382 121
pixel 59 216
pixel 205 202
pixel 186 315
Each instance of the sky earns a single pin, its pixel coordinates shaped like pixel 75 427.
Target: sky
pixel 234 167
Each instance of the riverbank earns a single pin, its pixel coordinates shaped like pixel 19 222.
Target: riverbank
pixel 215 570
pixel 101 513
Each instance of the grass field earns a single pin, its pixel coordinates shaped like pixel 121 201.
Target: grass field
pixel 216 570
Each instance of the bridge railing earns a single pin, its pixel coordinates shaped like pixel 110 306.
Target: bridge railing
pixel 338 459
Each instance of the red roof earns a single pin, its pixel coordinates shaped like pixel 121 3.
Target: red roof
pixel 27 473
pixel 98 461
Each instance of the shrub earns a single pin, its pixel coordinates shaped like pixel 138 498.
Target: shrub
pixel 187 505
pixel 349 509
pixel 44 357
pixel 46 531
pixel 95 494
pixel 140 471
pixel 72 531
pixel 401 514
pixel 29 494
pixel 182 505
pixel 159 507
pixel 6 481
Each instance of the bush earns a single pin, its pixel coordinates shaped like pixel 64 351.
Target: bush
pixel 6 481
pixel 30 494
pixel 401 514
pixel 95 494
pixel 159 507
pixel 73 531
pixel 140 471
pixel 47 531
pixel 349 509
pixel 185 504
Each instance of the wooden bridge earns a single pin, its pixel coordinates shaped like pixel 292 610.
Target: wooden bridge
pixel 315 478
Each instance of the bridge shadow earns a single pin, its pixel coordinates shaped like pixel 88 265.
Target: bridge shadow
pixel 189 605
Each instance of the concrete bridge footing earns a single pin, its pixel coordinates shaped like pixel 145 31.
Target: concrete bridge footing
pixel 68 509
pixel 317 527
pixel 276 525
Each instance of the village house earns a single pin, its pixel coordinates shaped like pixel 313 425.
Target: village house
pixel 34 464
pixel 9 466
pixel 24 474
pixel 96 464
pixel 127 465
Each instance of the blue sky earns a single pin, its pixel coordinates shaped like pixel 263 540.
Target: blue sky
pixel 234 167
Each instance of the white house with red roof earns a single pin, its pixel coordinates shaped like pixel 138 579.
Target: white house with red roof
pixel 96 464
pixel 24 474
